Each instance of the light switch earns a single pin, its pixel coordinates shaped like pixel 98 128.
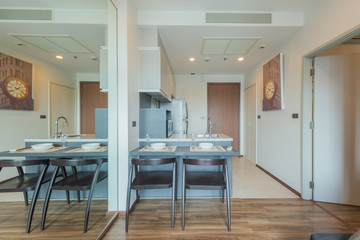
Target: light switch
pixel 134 123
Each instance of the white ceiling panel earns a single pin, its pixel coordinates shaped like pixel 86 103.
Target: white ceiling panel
pixel 215 46
pixel 240 46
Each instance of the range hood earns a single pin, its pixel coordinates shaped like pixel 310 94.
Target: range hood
pixel 156 94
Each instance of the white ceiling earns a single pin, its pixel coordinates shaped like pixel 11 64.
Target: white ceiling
pixel 223 5
pixel 180 41
pixel 87 32
pixel 184 41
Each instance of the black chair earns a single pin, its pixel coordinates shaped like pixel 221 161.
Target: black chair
pixel 151 180
pixel 78 181
pixel 25 182
pixel 205 180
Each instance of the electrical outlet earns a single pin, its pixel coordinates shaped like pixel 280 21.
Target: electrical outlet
pixel 295 115
pixel 134 123
pixel 42 116
pixel 259 116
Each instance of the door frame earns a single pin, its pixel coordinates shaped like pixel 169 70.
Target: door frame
pixel 239 122
pixel 308 114
pixel 253 85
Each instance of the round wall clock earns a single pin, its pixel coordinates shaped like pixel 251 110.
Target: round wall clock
pixel 269 89
pixel 15 88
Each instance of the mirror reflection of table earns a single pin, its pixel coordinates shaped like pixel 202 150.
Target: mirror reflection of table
pixel 68 152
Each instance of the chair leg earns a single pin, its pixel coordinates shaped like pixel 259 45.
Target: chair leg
pixel 67 191
pixel 137 190
pixel 173 196
pixel 26 198
pixel 128 198
pixel 78 192
pixel 47 198
pixel 176 175
pixel 183 198
pixel 228 197
pixel 93 183
pixel 34 198
pixel 21 173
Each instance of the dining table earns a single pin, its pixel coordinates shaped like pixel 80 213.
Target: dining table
pixel 181 152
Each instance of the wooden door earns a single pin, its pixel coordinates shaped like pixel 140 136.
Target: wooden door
pixel 90 98
pixel 224 109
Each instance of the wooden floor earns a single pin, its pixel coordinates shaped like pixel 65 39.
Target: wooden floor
pixel 252 219
pixel 63 221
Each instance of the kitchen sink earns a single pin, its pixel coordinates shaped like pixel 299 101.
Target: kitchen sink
pixel 207 135
pixel 74 135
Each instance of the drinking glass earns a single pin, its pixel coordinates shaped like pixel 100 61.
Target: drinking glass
pixel 63 139
pixel 193 139
pixel 147 138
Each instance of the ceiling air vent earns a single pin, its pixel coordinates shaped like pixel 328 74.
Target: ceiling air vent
pixel 26 14
pixel 238 18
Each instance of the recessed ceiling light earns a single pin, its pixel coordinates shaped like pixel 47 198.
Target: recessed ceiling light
pixel 59 57
pixel 240 59
pixel 192 59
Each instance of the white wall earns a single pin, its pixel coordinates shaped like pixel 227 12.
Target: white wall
pixel 16 125
pixel 194 89
pixel 337 131
pixel 279 135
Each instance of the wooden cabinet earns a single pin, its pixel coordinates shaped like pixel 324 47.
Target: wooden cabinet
pixel 155 75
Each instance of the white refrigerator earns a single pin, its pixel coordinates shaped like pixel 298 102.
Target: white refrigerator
pixel 179 114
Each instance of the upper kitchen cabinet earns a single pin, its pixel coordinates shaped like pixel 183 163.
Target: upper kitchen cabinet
pixel 155 74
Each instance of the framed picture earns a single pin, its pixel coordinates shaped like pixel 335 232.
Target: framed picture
pixel 15 84
pixel 273 97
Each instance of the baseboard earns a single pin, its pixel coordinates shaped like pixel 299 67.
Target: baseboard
pixel 281 182
pixel 108 226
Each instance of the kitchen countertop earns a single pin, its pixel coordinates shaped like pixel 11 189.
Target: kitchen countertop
pixel 187 137
pixel 70 138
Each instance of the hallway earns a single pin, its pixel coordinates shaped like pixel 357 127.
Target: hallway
pixel 250 181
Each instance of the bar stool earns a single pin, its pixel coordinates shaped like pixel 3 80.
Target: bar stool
pixel 25 182
pixel 205 180
pixel 151 180
pixel 78 181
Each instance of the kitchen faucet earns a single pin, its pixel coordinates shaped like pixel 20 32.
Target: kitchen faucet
pixel 57 126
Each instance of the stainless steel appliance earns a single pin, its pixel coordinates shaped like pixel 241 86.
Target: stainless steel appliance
pixel 179 114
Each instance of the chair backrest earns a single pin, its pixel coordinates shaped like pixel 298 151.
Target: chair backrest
pixel 205 162
pixel 152 161
pixel 20 163
pixel 62 162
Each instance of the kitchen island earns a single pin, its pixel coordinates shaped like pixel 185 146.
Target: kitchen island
pixel 71 140
pixel 187 140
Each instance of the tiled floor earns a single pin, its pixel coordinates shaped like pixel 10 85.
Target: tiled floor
pixel 251 182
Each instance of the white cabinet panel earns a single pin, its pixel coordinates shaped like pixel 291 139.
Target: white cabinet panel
pixel 155 75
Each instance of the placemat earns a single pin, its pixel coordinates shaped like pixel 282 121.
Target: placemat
pixel 213 149
pixel 100 149
pixel 30 150
pixel 165 149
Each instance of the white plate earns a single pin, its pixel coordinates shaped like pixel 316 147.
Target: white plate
pixel 206 145
pixel 158 146
pixel 42 146
pixel 90 146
